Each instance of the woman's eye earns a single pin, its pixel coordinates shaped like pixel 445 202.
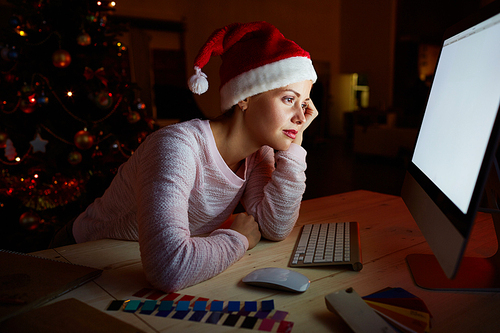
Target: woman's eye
pixel 304 106
pixel 288 100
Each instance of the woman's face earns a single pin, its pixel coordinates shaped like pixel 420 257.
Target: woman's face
pixel 274 118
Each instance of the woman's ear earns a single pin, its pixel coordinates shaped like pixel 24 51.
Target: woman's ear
pixel 243 104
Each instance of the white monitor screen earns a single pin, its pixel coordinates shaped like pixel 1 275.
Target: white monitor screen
pixel 461 111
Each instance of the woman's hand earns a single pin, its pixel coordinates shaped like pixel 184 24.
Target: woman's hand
pixel 310 113
pixel 245 224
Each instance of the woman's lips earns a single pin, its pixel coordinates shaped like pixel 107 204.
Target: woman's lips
pixel 290 133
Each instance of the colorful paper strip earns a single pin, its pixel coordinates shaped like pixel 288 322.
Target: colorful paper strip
pixel 251 306
pixel 231 320
pixel 115 305
pixel 257 315
pixel 148 307
pixel 155 295
pixel 214 317
pixel 217 306
pixel 132 306
pixel 200 306
pixel 182 306
pixel 170 297
pixel 267 305
pixel 180 314
pixel 266 325
pixel 249 322
pixel 198 316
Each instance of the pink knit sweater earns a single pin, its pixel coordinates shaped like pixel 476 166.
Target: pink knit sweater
pixel 176 186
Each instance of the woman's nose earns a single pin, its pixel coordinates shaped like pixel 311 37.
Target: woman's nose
pixel 299 117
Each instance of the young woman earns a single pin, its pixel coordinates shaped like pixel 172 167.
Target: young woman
pixel 185 180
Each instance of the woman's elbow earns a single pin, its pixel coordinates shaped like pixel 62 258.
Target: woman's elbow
pixel 275 236
pixel 168 283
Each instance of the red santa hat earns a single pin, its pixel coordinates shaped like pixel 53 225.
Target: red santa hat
pixel 256 58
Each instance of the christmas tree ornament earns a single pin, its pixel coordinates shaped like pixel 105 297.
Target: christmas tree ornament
pixel 61 58
pixel 3 139
pixel 27 106
pixel 99 74
pixel 38 144
pixel 4 53
pixel 133 117
pixel 74 157
pixel 83 39
pixel 83 140
pixel 29 220
pixel 13 54
pixel 14 21
pixel 103 99
pixel 10 150
pixel 10 78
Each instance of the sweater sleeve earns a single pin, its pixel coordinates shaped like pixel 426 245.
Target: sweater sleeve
pixel 171 258
pixel 274 191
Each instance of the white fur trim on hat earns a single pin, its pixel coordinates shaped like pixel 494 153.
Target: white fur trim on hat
pixel 267 77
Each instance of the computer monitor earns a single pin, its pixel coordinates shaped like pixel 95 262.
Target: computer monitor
pixel 454 159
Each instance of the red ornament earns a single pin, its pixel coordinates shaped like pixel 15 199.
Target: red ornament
pixel 9 78
pixel 61 58
pixel 29 221
pixel 27 106
pixel 84 140
pixel 104 99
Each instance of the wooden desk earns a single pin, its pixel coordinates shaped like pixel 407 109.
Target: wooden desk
pixel 388 234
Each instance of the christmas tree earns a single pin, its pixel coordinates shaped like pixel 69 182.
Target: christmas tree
pixel 69 116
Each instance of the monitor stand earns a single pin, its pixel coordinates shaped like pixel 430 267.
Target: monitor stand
pixel 474 274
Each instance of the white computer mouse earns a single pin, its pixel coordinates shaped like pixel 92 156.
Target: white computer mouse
pixel 278 278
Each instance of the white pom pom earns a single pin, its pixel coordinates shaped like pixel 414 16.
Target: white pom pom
pixel 198 83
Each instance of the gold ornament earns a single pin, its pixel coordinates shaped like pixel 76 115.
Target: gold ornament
pixel 74 158
pixel 83 140
pixel 133 117
pixel 83 39
pixel 61 58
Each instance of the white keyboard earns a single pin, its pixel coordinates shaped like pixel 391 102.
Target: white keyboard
pixel 328 244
